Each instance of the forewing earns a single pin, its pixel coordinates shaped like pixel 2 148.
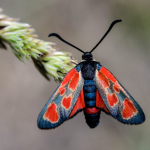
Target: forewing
pixel 62 102
pixel 119 103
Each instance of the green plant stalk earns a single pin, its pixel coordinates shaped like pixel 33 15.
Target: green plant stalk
pixel 25 45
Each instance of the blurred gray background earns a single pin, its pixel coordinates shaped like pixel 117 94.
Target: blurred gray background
pixel 125 52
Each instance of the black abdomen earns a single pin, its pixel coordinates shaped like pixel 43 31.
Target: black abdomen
pixel 92 119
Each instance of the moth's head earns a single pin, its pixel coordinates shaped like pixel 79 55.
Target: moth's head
pixel 87 56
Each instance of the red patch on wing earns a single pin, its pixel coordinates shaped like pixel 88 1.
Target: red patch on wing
pixel 74 82
pixel 111 77
pixel 51 113
pixel 80 104
pixel 93 110
pixel 61 90
pixel 99 102
pixel 68 77
pixel 116 88
pixel 66 101
pixel 108 74
pixel 129 109
pixel 112 99
pixel 103 80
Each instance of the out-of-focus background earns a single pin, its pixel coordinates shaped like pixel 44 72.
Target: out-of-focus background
pixel 125 52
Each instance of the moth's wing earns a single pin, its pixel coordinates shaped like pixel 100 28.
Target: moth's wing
pixel 116 101
pixel 66 101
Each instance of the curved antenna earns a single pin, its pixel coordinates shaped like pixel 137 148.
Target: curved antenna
pixel 55 34
pixel 112 24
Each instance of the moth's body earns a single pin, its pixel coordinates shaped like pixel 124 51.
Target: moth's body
pixel 91 112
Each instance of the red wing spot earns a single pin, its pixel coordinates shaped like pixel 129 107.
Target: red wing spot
pixel 108 74
pixel 112 99
pixel 68 77
pixel 61 90
pixel 116 88
pixel 51 113
pixel 74 82
pixel 103 80
pixel 129 109
pixel 80 104
pixel 66 102
pixel 93 110
pixel 100 103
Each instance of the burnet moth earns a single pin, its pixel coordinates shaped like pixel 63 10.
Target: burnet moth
pixel 92 88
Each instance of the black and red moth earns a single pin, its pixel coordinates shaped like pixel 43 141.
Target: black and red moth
pixel 92 88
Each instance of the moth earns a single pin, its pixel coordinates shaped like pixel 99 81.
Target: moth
pixel 91 88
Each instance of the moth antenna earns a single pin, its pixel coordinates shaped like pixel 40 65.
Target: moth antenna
pixel 55 34
pixel 112 24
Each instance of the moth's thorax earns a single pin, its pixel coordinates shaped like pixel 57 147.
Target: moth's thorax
pixel 88 69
